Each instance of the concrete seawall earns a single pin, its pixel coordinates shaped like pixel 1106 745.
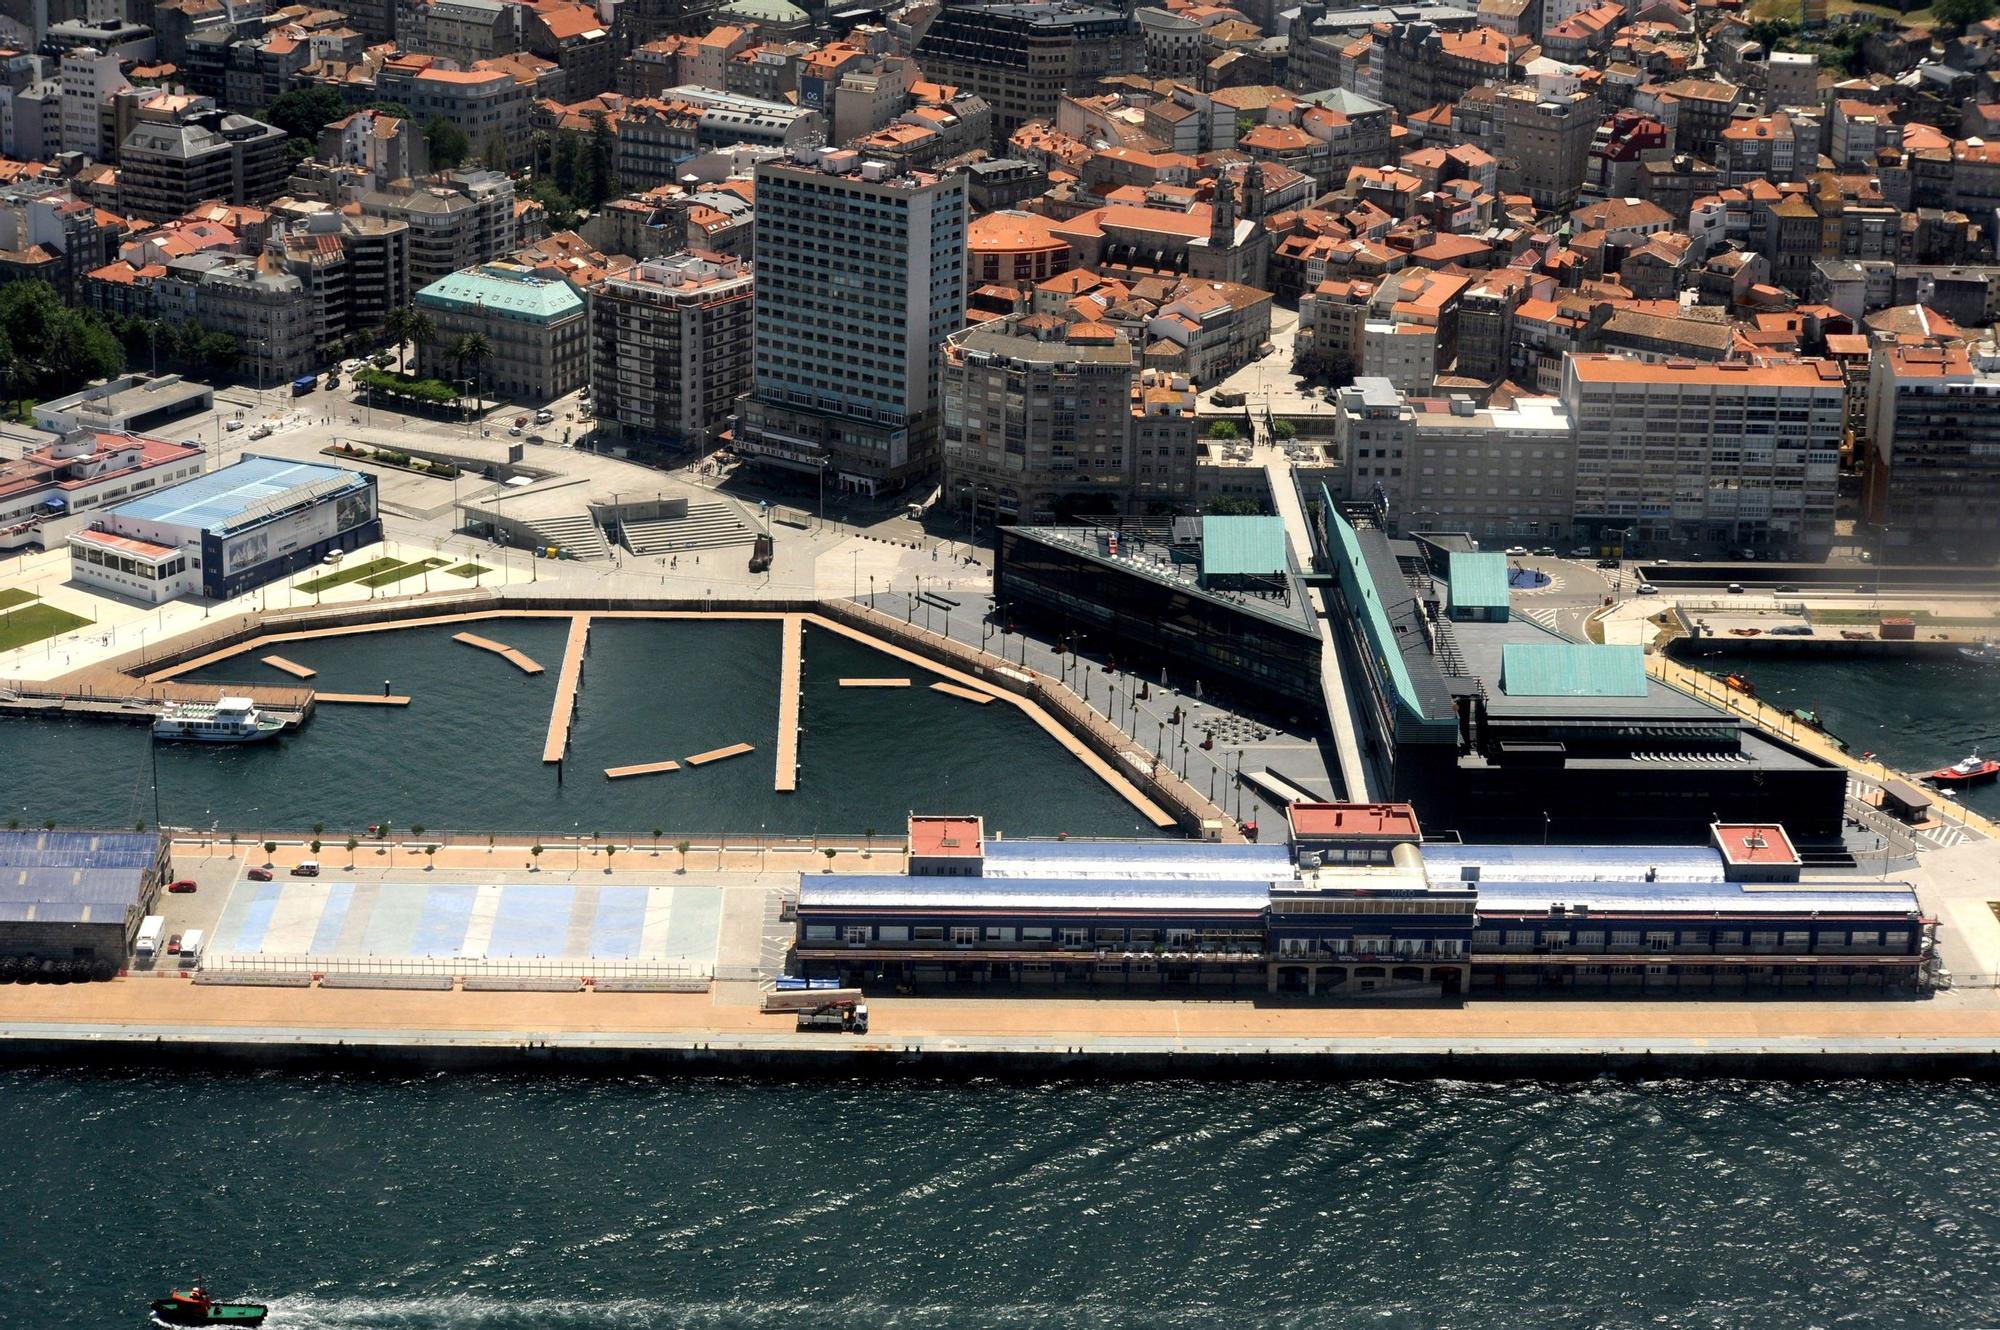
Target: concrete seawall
pixel 785 1055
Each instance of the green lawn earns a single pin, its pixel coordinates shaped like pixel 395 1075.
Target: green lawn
pixel 13 596
pixel 354 574
pixel 391 576
pixel 469 570
pixel 19 627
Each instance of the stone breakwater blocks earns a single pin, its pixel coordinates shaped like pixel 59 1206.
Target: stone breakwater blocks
pixel 251 979
pixel 500 983
pixel 427 983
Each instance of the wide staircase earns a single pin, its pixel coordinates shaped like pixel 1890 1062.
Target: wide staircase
pixel 574 533
pixel 710 524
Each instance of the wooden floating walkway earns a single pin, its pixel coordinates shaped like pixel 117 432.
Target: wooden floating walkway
pixel 717 754
pixel 291 667
pixel 564 710
pixel 788 703
pixel 969 694
pixel 641 769
pixel 500 649
pixel 874 683
pixel 365 699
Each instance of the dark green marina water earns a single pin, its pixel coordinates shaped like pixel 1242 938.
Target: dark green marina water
pixel 1917 714
pixel 466 754
pixel 510 1204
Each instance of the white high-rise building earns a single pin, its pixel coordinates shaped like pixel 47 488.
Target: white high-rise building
pixel 860 278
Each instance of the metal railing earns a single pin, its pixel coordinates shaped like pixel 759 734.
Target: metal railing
pixel 555 967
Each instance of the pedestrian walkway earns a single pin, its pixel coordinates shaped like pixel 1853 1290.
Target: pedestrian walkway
pixel 791 665
pixel 564 711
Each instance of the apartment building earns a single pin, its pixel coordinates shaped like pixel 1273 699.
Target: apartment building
pixel 1411 333
pixel 1504 475
pixel 183 151
pixel 537 326
pixel 1046 419
pixel 1694 457
pixel 670 343
pixel 1546 131
pixel 1931 471
pixel 1022 58
pixel 860 279
pixel 457 220
pixel 489 107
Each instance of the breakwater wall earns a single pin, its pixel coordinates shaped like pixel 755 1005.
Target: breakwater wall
pixel 835 1055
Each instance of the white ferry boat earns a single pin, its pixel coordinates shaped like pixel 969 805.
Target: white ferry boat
pixel 228 720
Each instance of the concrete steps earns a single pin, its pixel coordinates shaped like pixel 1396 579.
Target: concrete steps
pixel 575 533
pixel 710 524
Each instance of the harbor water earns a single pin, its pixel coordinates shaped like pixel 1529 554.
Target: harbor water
pixel 467 753
pixel 357 1203
pixel 1916 713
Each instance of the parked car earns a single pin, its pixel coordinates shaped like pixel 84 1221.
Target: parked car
pixel 1735 588
pixel 1546 552
pixel 184 887
pixel 233 426
pixel 259 875
pixel 1786 587
pixel 261 432
pixel 1607 563
pixel 520 420
pixel 514 430
pixel 1580 552
pixel 544 416
pixel 174 945
pixel 1648 589
pixel 1516 551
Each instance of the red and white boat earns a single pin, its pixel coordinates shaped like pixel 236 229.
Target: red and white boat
pixel 1969 772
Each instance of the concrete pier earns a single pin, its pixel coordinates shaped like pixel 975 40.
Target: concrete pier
pixel 364 699
pixel 500 649
pixel 291 667
pixel 788 703
pixel 564 710
pixel 640 769
pixel 969 694
pixel 717 754
pixel 874 683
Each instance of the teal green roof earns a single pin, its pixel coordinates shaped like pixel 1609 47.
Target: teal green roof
pixel 1352 568
pixel 1572 669
pixel 537 299
pixel 1243 546
pixel 1478 581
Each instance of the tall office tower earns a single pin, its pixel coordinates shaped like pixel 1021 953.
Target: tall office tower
pixel 860 278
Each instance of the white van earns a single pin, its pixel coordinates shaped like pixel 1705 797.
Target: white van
pixel 150 930
pixel 190 948
pixel 307 868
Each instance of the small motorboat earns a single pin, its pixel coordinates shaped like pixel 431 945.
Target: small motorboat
pixel 1986 653
pixel 194 1307
pixel 1970 771
pixel 1740 683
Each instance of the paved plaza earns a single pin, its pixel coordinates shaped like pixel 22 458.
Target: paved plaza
pixel 463 921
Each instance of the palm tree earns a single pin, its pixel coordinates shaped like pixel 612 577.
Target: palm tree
pixel 471 352
pixel 419 326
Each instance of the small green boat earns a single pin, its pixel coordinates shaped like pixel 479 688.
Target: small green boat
pixel 195 1307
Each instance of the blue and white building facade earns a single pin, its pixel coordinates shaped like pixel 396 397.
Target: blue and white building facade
pixel 1447 919
pixel 227 532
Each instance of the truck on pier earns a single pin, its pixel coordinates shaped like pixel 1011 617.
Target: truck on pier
pixel 836 1018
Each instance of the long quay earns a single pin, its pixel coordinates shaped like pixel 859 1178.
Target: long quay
pixel 788 703
pixel 291 667
pixel 717 754
pixel 640 769
pixel 564 710
pixel 500 649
